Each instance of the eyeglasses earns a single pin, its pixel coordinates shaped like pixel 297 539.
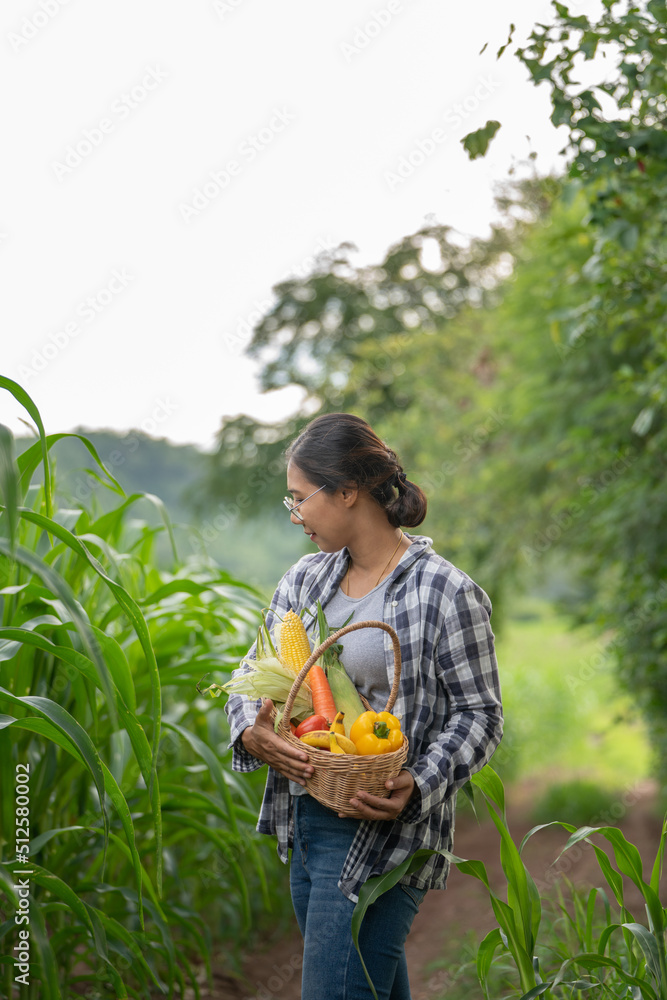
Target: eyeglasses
pixel 292 507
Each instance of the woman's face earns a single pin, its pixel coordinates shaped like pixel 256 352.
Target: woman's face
pixel 326 516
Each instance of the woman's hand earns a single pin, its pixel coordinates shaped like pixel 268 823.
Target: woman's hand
pixel 263 742
pixel 369 806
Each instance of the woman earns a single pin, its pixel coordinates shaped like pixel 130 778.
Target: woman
pixel 350 497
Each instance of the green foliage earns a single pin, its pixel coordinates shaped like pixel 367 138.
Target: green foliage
pixel 586 949
pixel 560 680
pixel 477 143
pixel 143 855
pixel 598 410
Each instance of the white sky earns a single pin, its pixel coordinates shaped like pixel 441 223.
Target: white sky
pixel 182 89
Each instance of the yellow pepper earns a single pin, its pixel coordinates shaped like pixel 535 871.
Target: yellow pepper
pixel 391 720
pixel 376 733
pixel 369 744
pixel 395 739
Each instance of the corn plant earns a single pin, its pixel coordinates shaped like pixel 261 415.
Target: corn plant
pixel 141 852
pixel 612 957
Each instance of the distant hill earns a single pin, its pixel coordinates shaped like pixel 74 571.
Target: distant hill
pixel 257 550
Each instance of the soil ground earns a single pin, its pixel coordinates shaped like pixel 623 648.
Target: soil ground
pixel 463 908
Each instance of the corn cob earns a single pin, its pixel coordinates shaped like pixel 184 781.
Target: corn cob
pixel 294 651
pixel 294 643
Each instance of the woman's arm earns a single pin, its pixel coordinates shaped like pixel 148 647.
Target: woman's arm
pixel 252 737
pixel 467 668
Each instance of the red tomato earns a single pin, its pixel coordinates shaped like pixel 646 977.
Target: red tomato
pixel 310 724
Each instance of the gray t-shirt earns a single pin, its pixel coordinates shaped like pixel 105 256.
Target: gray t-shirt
pixel 363 651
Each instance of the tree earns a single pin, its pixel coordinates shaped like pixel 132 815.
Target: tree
pixel 598 409
pixel 556 324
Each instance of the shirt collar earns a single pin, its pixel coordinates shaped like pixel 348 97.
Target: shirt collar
pixel 331 574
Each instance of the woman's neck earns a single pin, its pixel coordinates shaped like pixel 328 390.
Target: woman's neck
pixel 372 557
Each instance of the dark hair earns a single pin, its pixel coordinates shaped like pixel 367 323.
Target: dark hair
pixel 338 450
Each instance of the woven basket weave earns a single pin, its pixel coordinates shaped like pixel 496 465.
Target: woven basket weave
pixel 338 777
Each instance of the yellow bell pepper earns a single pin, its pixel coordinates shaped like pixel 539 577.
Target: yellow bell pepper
pixel 376 733
pixel 369 745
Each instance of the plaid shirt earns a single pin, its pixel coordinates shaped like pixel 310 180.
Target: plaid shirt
pixel 449 704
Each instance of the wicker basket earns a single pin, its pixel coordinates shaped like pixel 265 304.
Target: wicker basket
pixel 338 777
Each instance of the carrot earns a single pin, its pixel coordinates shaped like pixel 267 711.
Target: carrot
pixel 323 701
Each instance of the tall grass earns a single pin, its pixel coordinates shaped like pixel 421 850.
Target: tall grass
pixel 142 851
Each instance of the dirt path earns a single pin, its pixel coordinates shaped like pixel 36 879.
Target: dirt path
pixel 464 906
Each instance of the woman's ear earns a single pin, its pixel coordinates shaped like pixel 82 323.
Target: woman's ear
pixel 349 495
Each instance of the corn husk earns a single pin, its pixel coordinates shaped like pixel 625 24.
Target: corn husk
pixel 345 694
pixel 269 678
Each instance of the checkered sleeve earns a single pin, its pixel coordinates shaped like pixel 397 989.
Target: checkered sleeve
pixel 241 710
pixel 467 669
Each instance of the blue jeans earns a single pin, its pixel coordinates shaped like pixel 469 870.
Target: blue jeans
pixel 331 966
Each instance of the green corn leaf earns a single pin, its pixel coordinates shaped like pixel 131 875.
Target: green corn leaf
pixel 88 915
pixel 12 639
pixel 657 864
pixel 522 895
pixel 543 826
pixel 373 888
pixel 536 991
pixel 75 734
pixel 29 459
pixel 594 961
pixel 506 918
pixel 119 668
pixel 490 786
pixel 142 955
pixel 133 612
pixel 469 793
pixel 39 939
pixel 51 731
pixel 229 846
pixel 58 585
pixel 9 491
pixel 142 752
pixel 217 773
pixel 22 397
pixel 629 862
pixel 649 946
pixel 485 953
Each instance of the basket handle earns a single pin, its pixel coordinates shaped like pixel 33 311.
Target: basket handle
pixel 315 655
